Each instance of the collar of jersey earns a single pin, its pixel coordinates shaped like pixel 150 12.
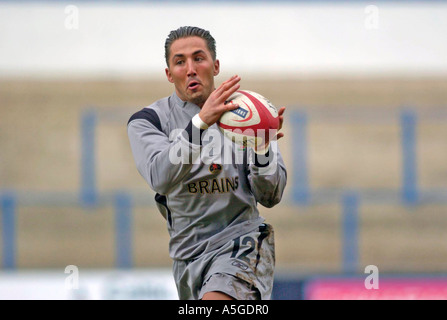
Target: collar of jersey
pixel 189 107
pixel 178 101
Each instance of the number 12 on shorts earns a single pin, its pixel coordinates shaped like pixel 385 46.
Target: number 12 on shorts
pixel 246 241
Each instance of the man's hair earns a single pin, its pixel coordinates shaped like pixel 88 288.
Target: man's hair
pixel 188 31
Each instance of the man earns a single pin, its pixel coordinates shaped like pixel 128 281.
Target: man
pixel 220 246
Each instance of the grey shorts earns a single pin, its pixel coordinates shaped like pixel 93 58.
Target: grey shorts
pixel 242 268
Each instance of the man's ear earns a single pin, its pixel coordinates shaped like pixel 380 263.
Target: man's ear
pixel 216 67
pixel 168 75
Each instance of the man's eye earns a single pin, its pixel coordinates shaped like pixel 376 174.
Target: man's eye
pixel 179 62
pixel 199 58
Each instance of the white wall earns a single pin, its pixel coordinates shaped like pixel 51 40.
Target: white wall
pixel 299 39
pixel 80 284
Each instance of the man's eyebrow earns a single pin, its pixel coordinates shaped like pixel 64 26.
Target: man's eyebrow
pixel 197 52
pixel 181 55
pixel 178 55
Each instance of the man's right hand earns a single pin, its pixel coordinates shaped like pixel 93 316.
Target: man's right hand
pixel 215 105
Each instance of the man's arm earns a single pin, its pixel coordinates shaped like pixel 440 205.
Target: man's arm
pixel 268 176
pixel 162 161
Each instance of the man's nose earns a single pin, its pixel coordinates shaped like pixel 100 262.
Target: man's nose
pixel 191 69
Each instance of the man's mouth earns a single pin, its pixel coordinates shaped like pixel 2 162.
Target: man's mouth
pixel 193 85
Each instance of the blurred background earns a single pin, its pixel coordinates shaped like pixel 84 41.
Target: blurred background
pixel 365 86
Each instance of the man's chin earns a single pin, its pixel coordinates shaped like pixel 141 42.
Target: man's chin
pixel 200 101
pixel 197 99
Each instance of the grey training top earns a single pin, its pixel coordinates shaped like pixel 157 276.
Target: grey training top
pixel 207 187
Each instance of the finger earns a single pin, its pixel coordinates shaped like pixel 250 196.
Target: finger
pixel 274 136
pixel 234 78
pixel 281 117
pixel 228 86
pixel 281 121
pixel 226 94
pixel 281 111
pixel 225 86
pixel 230 105
pixel 227 105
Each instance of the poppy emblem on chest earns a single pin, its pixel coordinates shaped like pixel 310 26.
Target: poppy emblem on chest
pixel 215 168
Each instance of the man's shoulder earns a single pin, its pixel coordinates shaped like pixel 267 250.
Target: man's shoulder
pixel 153 113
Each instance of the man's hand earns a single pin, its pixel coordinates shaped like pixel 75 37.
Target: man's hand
pixel 215 105
pixel 265 144
pixel 281 120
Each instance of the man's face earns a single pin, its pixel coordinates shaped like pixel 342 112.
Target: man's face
pixel 192 69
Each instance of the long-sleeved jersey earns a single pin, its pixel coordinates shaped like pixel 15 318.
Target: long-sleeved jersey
pixel 207 187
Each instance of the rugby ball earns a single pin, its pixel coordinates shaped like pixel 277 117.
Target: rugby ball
pixel 253 122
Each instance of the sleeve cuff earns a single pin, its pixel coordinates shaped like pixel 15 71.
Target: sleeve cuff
pixel 199 123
